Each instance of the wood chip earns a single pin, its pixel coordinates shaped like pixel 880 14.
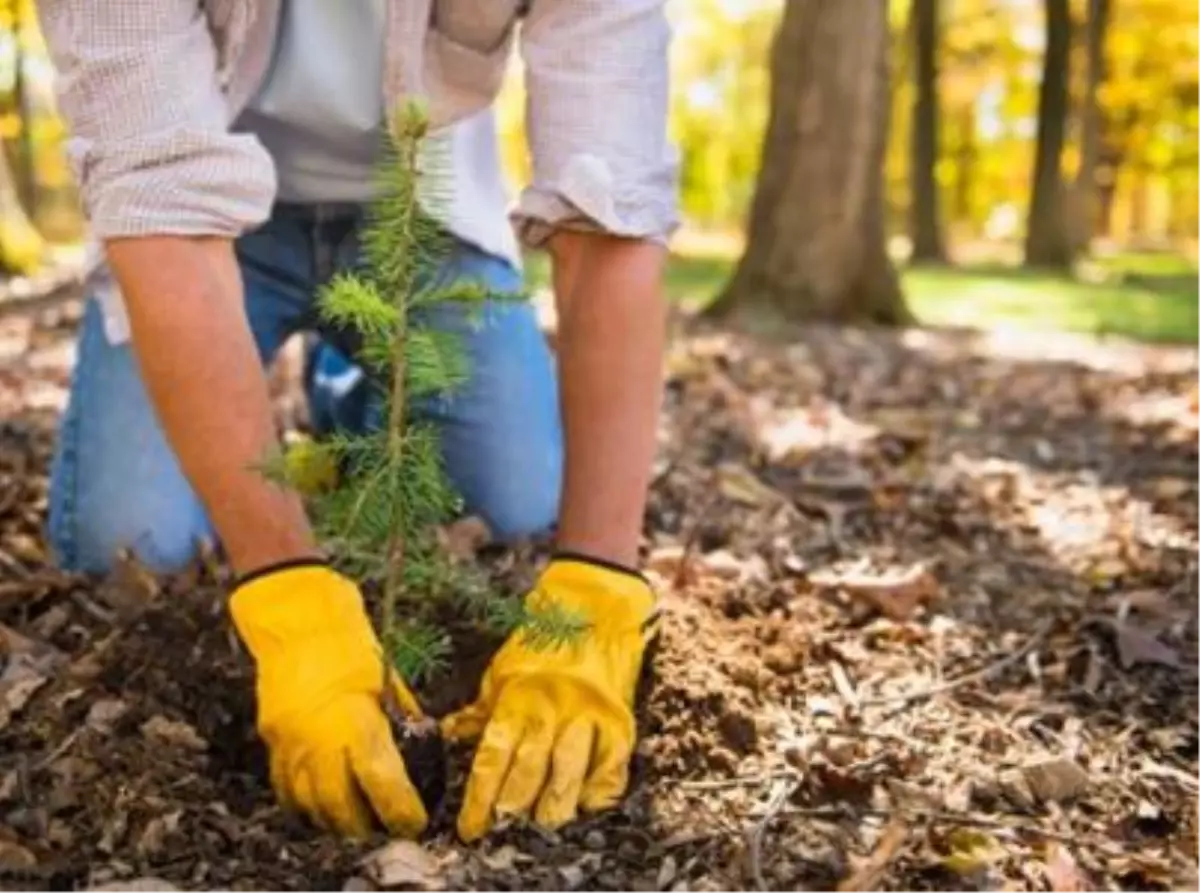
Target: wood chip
pixel 866 875
pixel 1062 871
pixel 403 863
pixel 173 732
pixel 895 593
pixel 1055 780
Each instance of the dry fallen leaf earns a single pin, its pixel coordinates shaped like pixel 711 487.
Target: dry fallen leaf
pixel 403 863
pixel 146 884
pixel 1153 602
pixel 27 665
pixel 667 873
pixel 130 586
pixel 1170 488
pixel 576 875
pixel 739 484
pixel 1063 871
pixel 173 732
pixel 503 858
pixel 105 712
pixel 867 873
pixel 896 593
pixel 971 851
pixel 1141 645
pixel 1147 869
pixel 1055 780
pixel 464 538
pixel 14 857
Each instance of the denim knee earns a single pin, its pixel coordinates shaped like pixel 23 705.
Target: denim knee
pixel 115 484
pixel 518 508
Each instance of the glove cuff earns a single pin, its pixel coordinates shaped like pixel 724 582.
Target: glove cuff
pixel 582 558
pixel 267 570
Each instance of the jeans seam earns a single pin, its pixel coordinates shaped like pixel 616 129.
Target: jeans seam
pixel 63 527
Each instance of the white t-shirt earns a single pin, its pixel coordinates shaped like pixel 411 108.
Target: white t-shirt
pixel 319 113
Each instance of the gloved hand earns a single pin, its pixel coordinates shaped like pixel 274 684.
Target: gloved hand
pixel 320 675
pixel 557 723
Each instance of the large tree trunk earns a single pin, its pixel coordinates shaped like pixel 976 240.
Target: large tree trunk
pixel 1085 217
pixel 816 244
pixel 1048 243
pixel 926 217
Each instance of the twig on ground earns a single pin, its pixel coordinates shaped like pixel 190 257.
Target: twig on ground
pixel 927 815
pixel 967 678
pixel 783 789
pixel 719 784
pixel 1162 770
pixel 58 751
pixel 845 688
pixel 866 876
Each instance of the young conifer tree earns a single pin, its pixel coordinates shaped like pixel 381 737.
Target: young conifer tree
pixel 379 516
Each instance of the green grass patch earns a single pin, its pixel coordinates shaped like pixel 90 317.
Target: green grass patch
pixel 1156 307
pixel 1149 297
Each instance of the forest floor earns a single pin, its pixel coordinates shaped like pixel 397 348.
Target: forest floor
pixel 930 604
pixel 1150 296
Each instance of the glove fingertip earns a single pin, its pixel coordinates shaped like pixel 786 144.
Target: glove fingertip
pixel 552 813
pixel 471 825
pixel 406 699
pixel 604 789
pixel 464 725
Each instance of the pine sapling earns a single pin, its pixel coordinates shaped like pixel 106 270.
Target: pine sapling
pixel 379 515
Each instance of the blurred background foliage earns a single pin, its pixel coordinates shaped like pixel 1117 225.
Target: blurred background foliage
pixel 1130 270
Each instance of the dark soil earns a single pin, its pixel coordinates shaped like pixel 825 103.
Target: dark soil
pixel 930 609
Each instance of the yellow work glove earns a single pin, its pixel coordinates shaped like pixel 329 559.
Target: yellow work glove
pixel 320 674
pixel 557 723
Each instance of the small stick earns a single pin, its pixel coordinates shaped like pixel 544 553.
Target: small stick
pixel 783 790
pixel 719 784
pixel 928 815
pixel 58 751
pixel 965 679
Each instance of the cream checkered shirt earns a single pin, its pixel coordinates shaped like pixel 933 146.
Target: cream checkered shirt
pixel 149 88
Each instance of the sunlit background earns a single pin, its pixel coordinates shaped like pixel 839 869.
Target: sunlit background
pixel 1136 275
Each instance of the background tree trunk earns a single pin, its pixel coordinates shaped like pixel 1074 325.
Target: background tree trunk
pixel 925 224
pixel 966 158
pixel 1048 243
pixel 816 245
pixel 1085 193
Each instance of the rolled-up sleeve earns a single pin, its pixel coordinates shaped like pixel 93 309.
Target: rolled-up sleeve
pixel 149 139
pixel 597 86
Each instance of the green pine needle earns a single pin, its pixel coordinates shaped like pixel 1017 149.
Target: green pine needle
pixel 436 362
pixel 417 650
pixel 353 303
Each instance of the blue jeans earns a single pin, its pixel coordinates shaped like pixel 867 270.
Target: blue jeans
pixel 116 484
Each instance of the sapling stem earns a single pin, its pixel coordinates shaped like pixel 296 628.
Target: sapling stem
pixel 394 582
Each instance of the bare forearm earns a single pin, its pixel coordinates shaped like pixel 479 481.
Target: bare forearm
pixel 612 323
pixel 203 375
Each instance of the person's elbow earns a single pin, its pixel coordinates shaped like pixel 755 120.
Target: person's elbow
pixel 180 183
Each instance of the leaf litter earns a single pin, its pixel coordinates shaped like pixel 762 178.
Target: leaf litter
pixel 941 599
